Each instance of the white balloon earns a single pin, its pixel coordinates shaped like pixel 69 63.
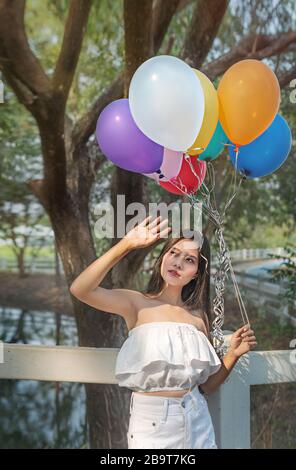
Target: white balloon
pixel 167 102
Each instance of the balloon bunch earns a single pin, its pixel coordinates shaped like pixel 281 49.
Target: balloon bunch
pixel 249 99
pixel 172 110
pixel 175 123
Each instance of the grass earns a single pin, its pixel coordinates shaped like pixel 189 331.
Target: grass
pixel 45 252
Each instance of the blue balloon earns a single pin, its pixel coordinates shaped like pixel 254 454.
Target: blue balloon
pixel 265 154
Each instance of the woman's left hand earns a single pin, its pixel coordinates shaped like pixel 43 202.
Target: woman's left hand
pixel 242 341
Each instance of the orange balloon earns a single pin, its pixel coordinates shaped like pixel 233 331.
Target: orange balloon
pixel 249 98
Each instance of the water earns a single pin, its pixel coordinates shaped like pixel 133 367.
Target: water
pixel 40 414
pixel 263 270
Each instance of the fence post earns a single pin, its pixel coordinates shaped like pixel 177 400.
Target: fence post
pixel 230 409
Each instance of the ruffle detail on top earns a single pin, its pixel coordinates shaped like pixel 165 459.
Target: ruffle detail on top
pixel 165 356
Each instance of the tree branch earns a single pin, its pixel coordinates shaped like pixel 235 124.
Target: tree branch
pixel 37 188
pixel 286 77
pixel 71 46
pixel 86 125
pixel 275 46
pixel 18 63
pixel 137 36
pixel 266 46
pixel 24 95
pixel 163 12
pixel 207 17
pixel 33 88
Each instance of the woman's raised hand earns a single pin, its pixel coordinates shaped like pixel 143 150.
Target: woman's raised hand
pixel 147 232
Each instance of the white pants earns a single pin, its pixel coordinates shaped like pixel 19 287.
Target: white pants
pixel 158 422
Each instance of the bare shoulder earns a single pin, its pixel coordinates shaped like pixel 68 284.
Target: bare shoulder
pixel 135 297
pixel 138 301
pixel 202 321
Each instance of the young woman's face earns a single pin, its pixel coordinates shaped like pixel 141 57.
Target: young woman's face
pixel 180 263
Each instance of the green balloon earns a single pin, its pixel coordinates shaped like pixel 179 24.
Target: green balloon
pixel 216 144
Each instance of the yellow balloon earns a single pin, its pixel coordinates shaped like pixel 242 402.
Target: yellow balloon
pixel 210 118
pixel 249 99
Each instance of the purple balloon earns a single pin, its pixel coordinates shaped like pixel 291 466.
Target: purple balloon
pixel 122 141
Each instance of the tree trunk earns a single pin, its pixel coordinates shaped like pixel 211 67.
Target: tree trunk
pixel 20 256
pixel 105 403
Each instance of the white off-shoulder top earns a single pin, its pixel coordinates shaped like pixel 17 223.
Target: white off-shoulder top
pixel 167 355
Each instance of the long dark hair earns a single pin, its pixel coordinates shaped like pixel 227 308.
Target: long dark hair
pixel 196 294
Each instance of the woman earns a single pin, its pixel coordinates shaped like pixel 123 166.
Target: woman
pixel 168 360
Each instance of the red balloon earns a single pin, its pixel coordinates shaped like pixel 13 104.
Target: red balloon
pixel 187 177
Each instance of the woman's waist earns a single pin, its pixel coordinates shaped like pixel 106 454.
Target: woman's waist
pixel 166 393
pixel 141 403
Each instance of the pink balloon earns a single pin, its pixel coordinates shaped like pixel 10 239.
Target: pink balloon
pixel 170 167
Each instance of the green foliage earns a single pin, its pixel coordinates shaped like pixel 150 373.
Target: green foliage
pixel 287 274
pixel 20 143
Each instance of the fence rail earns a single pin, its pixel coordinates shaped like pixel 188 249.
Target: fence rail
pixel 229 405
pixel 48 265
pixel 261 290
pixel 249 254
pixel 38 265
pixel 267 294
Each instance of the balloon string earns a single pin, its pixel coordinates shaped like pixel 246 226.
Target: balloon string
pixel 181 186
pixel 239 297
pixel 188 160
pixel 224 261
pixel 202 188
pixel 227 204
pixel 177 183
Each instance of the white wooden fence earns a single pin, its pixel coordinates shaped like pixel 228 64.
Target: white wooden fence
pixel 258 287
pixel 229 405
pixel 268 295
pixel 248 254
pixel 48 265
pixel 255 253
